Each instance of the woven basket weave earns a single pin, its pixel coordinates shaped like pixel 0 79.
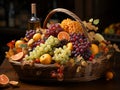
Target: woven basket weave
pixel 40 72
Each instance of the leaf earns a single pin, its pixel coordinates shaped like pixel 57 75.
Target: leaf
pixel 23 45
pixel 91 20
pixel 96 21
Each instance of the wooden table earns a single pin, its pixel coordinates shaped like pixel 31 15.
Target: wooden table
pixel 100 84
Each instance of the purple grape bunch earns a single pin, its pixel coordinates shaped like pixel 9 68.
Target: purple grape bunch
pixel 29 34
pixel 80 45
pixel 38 42
pixel 53 30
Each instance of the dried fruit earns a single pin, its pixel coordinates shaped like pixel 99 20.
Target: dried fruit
pixel 71 26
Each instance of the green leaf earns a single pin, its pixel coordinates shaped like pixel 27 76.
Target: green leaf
pixel 91 20
pixel 96 21
pixel 23 45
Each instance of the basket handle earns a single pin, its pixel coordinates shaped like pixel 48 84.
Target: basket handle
pixel 74 16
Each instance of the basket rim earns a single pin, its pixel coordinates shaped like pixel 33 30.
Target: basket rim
pixel 35 64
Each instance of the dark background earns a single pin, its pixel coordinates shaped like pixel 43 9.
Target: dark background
pixel 105 10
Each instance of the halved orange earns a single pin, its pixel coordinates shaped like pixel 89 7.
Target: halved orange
pixel 4 79
pixel 17 56
pixel 63 35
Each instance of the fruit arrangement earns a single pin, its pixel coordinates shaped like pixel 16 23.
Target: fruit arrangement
pixel 61 44
pixel 113 29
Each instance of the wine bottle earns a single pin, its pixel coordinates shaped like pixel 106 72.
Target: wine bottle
pixel 34 21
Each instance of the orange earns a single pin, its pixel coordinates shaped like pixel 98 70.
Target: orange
pixel 17 56
pixel 37 36
pixel 4 80
pixel 109 75
pixel 45 59
pixel 18 43
pixel 63 35
pixel 94 48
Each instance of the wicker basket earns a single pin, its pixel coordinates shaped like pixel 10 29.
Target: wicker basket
pixel 40 72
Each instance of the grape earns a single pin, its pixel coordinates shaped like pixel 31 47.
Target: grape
pixel 43 48
pixel 38 43
pixel 80 45
pixel 62 55
pixel 53 30
pixel 62 42
pixel 52 41
pixel 29 34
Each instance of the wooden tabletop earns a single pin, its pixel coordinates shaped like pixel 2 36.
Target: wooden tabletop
pixel 100 84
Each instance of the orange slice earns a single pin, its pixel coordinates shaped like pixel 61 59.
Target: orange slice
pixel 17 56
pixel 63 35
pixel 4 80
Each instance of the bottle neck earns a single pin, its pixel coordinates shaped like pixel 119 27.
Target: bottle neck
pixel 33 12
pixel 34 17
pixel 33 9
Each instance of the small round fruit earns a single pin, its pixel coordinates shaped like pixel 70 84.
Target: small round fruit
pixel 37 36
pixel 17 56
pixel 109 75
pixel 70 46
pixel 18 43
pixel 45 59
pixel 94 48
pixel 63 35
pixel 30 42
pixel 4 80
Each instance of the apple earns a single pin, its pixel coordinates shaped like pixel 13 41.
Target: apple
pixel 45 59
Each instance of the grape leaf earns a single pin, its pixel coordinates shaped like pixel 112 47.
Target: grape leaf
pixel 96 21
pixel 91 20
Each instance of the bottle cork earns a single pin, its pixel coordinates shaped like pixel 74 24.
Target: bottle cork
pixel 33 8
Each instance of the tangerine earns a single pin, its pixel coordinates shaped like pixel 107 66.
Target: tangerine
pixel 94 48
pixel 109 75
pixel 45 59
pixel 63 35
pixel 37 36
